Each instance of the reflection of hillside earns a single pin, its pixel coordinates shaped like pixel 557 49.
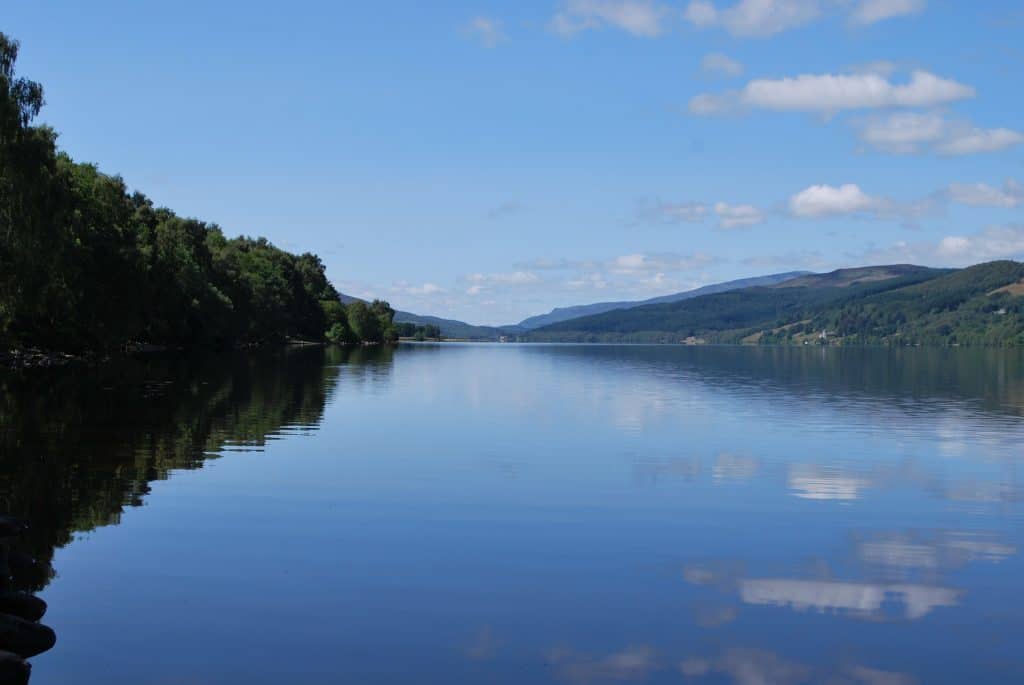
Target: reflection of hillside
pixel 79 445
pixel 924 378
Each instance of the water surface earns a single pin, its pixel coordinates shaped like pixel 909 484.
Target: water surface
pixel 526 514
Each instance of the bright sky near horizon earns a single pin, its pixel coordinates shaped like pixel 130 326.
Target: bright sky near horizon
pixel 488 161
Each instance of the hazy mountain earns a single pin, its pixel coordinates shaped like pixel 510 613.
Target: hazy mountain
pixel 566 313
pixel 450 328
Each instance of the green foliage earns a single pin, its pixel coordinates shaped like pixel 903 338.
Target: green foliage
pixel 411 330
pixel 373 323
pixel 910 306
pixel 87 266
pixel 450 328
pixel 385 316
pixel 962 308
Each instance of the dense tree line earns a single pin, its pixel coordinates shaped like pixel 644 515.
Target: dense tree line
pixel 360 322
pixel 968 307
pixel 87 265
pixel 418 332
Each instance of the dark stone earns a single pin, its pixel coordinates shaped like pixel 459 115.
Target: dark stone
pixel 25 638
pixel 13 669
pixel 22 605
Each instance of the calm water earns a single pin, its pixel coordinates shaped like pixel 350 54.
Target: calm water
pixel 527 514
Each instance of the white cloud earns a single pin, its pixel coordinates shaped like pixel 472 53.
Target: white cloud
pixel 976 140
pixel 638 273
pixel 720 64
pixel 709 104
pixel 913 132
pixel 701 14
pixel 871 11
pixel 644 18
pixel 753 17
pixel 510 278
pixel 824 200
pixel 594 280
pixel 760 18
pixel 485 30
pixel 996 242
pixel 673 213
pixel 547 264
pixel 425 289
pixel 737 216
pixel 691 212
pixel 831 93
pixel 836 92
pixel 903 132
pixel 983 195
pixel 640 263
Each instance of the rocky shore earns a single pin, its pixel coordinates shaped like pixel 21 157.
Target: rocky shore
pixel 22 636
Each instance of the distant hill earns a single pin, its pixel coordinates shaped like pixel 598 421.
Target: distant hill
pixel 450 328
pixel 566 313
pixel 896 304
pixel 844 278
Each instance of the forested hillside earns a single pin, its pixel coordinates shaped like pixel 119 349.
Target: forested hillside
pixel 980 305
pixel 87 265
pixel 903 305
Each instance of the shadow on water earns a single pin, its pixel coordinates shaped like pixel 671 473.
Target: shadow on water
pixel 80 445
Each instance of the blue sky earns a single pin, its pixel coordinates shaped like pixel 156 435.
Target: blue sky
pixel 488 161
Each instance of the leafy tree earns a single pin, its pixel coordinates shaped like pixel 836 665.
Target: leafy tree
pixel 364 322
pixel 386 317
pixel 87 266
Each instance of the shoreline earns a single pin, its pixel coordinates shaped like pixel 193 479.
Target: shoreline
pixel 36 359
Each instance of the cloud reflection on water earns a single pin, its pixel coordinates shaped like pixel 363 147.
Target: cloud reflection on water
pixel 747 666
pixel 633 663
pixel 860 599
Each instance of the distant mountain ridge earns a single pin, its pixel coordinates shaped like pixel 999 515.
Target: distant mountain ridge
pixel 560 314
pixel 858 275
pixel 891 304
pixel 898 304
pixel 450 328
pixel 453 328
